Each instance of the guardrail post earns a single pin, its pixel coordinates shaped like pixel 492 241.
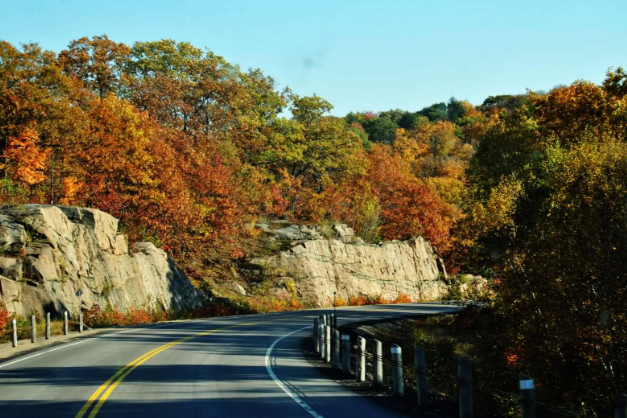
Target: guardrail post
pixel 378 363
pixel 33 329
pixel 335 357
pixel 361 359
pixel 316 336
pixel 620 410
pixel 464 374
pixel 80 322
pixel 323 346
pixel 66 327
pixel 47 325
pixel 397 371
pixel 346 353
pixel 327 343
pixel 420 366
pixel 14 325
pixel 527 397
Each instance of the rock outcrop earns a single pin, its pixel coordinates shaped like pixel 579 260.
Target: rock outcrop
pixel 48 253
pixel 343 263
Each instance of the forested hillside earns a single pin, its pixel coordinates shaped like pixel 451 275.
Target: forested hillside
pixel 190 151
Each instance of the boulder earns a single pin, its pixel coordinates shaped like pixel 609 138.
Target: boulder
pixel 236 287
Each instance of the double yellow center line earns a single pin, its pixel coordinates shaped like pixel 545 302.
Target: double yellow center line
pixel 109 386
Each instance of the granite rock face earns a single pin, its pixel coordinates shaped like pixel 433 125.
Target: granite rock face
pixel 48 253
pixel 346 265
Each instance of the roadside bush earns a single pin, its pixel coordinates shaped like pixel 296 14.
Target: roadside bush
pixel 96 317
pixel 402 298
pixel 5 317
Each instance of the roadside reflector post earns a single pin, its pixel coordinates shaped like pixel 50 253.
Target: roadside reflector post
pixel 620 410
pixel 361 359
pixel 397 371
pixel 14 325
pixel 335 357
pixel 346 353
pixel 47 325
pixel 316 335
pixel 324 319
pixel 80 322
pixel 327 343
pixel 420 366
pixel 464 375
pixel 378 363
pixel 321 338
pixel 527 397
pixel 321 335
pixel 66 328
pixel 33 329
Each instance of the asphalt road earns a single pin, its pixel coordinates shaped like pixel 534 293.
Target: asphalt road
pixel 244 366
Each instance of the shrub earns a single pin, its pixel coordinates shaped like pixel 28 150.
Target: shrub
pixel 5 317
pixel 357 300
pixel 402 298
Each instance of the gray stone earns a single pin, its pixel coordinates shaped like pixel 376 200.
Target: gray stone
pixel 10 267
pixel 236 287
pixel 349 267
pixel 73 248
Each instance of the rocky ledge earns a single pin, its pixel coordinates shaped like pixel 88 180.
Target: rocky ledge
pixel 320 264
pixel 48 253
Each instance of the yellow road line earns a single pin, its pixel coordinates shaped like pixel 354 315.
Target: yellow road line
pixel 109 386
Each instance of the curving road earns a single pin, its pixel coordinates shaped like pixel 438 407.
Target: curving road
pixel 244 366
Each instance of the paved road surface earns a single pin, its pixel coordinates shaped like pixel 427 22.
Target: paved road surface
pixel 244 366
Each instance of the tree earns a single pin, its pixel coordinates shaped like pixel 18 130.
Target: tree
pixel 408 207
pixel 550 179
pixel 455 109
pixel 435 113
pixel 24 160
pixel 98 62
pixel 380 129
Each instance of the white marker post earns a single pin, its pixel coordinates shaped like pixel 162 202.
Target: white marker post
pixel 14 325
pixel 47 325
pixel 397 371
pixel 66 328
pixel 335 355
pixel 378 363
pixel 361 359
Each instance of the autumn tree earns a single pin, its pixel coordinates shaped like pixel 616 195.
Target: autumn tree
pixel 24 160
pixel 549 177
pixel 97 62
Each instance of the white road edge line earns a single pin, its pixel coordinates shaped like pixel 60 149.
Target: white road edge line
pixel 66 345
pixel 279 383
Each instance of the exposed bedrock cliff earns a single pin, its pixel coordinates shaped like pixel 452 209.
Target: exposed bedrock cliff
pixel 344 264
pixel 48 253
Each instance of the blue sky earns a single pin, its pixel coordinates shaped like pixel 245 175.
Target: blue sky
pixel 361 55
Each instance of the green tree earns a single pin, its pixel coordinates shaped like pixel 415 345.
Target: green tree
pixel 435 113
pixel 380 129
